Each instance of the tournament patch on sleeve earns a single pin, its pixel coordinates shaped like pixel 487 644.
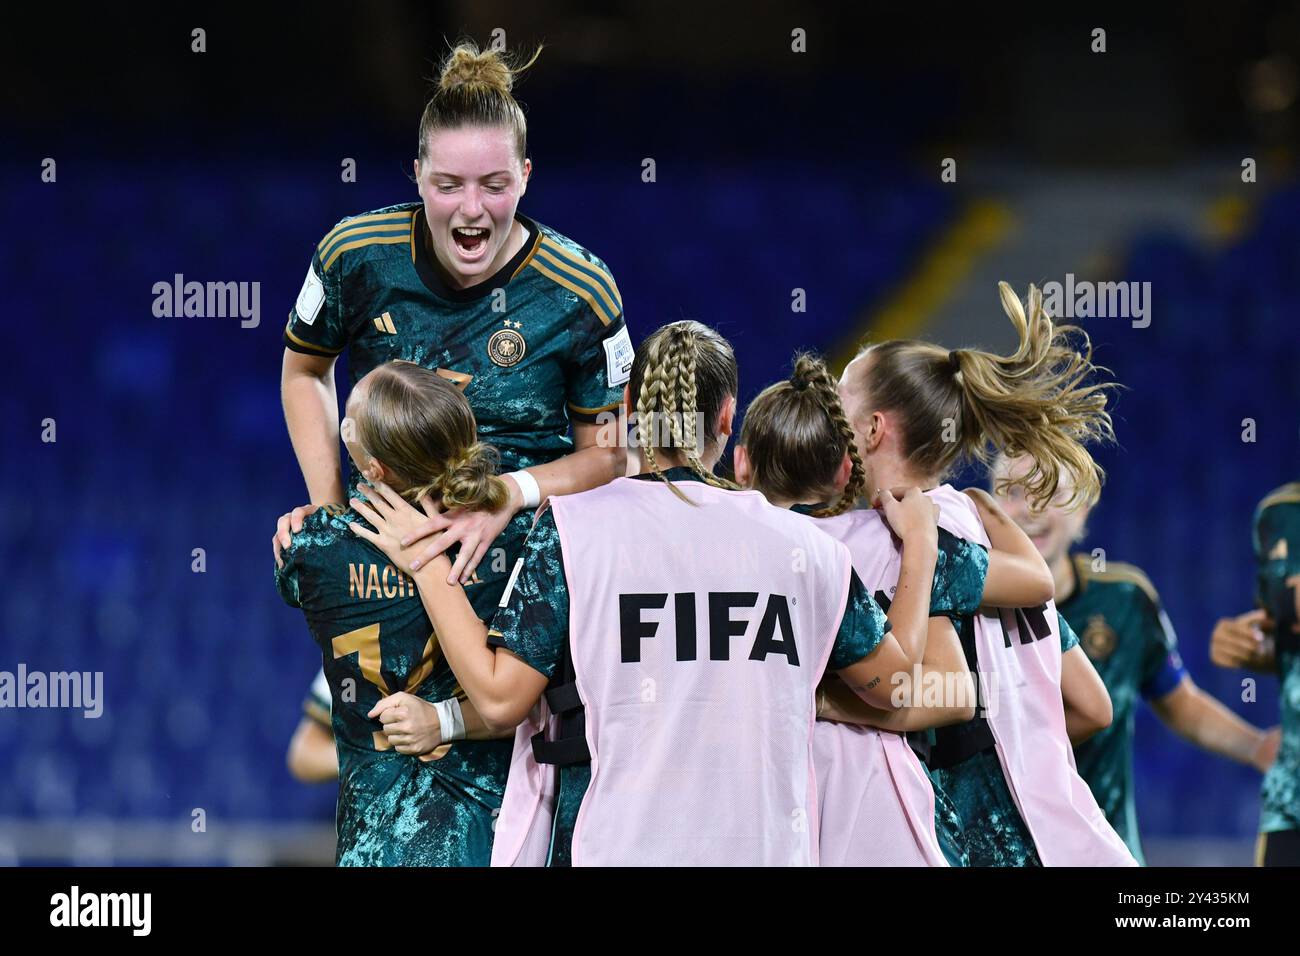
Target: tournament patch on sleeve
pixel 618 358
pixel 310 298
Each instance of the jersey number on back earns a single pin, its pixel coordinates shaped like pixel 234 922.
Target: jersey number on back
pixel 364 642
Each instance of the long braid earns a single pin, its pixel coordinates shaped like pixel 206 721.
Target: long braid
pixel 646 402
pixel 826 391
pixel 690 437
pixel 666 403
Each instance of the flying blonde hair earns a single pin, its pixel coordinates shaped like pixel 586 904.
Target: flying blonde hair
pixel 1040 401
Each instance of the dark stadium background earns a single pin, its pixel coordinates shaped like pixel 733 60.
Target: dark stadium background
pixel 775 171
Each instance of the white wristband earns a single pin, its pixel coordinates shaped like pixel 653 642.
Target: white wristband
pixel 451 723
pixel 528 487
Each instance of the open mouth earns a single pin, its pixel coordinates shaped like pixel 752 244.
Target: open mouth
pixel 470 242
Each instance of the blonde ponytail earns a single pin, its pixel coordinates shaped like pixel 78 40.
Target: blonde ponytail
pixel 1040 401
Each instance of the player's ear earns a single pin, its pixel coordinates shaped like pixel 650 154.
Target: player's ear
pixel 843 473
pixel 375 471
pixel 726 417
pixel 740 461
pixel 874 433
pixel 528 171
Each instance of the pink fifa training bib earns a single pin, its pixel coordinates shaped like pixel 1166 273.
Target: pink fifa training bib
pixel 698 636
pixel 1019 656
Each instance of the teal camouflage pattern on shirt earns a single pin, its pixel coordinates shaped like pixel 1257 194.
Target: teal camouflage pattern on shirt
pixel 536 618
pixel 991 830
pixel 534 625
pixel 369 622
pixel 1122 628
pixel 540 343
pixel 947 824
pixel 1277 552
pixel 959 575
pixel 1069 640
pixel 994 832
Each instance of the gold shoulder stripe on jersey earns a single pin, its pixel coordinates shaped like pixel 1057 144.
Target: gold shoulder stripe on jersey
pixel 593 411
pixel 1120 571
pixel 581 291
pixel 358 243
pixel 376 218
pixel 602 279
pixel 589 266
pixel 318 349
pixel 579 276
pixel 384 323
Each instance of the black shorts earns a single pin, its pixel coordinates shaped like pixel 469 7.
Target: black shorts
pixel 1279 848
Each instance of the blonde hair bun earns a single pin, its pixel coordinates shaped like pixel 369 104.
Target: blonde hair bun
pixel 466 65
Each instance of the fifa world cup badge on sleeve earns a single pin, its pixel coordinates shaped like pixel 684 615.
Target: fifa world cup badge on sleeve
pixel 310 298
pixel 618 358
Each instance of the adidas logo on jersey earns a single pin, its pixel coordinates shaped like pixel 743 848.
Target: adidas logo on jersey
pixel 1279 551
pixel 633 628
pixel 384 323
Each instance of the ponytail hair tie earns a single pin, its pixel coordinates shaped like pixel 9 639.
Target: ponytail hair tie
pixel 800 384
pixel 954 361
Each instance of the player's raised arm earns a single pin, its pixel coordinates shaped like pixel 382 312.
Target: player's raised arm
pixel 912 516
pixel 1017 575
pixel 315 335
pixel 311 412
pixel 500 686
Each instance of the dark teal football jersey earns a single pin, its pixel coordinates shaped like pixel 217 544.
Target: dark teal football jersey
pixel 1125 633
pixel 375 638
pixel 537 345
